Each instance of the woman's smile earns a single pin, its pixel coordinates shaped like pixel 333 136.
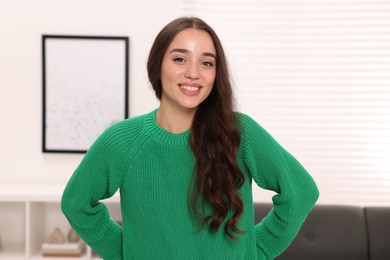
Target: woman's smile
pixel 190 89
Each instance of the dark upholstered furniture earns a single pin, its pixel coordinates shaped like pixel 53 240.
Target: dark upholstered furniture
pixel 339 233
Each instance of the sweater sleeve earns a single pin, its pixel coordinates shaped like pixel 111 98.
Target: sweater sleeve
pixel 97 177
pixel 273 168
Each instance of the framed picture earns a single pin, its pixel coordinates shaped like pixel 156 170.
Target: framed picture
pixel 85 89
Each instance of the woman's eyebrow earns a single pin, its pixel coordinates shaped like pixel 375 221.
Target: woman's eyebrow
pixel 208 54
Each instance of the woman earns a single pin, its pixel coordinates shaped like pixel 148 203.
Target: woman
pixel 185 170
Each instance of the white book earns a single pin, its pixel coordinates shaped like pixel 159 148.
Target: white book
pixel 64 246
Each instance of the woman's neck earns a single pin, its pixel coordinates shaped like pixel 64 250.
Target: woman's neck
pixel 175 120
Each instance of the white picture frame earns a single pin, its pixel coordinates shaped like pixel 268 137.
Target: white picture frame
pixel 85 89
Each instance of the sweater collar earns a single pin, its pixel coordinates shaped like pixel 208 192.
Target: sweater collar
pixel 162 135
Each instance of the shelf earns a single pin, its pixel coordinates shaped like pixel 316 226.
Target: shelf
pixel 29 213
pixel 12 252
pixel 12 230
pixel 26 192
pixel 58 258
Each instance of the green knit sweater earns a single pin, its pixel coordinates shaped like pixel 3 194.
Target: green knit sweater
pixel 152 168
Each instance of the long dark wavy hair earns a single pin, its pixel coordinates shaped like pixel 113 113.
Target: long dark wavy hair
pixel 214 137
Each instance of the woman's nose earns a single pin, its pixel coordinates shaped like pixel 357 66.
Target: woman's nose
pixel 192 71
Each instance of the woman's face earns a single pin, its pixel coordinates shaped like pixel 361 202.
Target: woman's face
pixel 188 69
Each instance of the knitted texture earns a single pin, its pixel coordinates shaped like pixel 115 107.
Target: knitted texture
pixel 152 168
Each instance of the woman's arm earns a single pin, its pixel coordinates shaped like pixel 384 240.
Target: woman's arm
pixel 97 177
pixel 273 168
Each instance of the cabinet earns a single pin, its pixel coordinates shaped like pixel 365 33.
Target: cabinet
pixel 29 213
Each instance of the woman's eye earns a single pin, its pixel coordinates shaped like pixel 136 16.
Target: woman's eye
pixel 208 64
pixel 179 60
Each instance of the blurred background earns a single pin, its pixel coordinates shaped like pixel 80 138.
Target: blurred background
pixel 315 74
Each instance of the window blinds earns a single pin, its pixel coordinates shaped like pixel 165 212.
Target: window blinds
pixel 316 75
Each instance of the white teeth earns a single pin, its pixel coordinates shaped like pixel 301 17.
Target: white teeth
pixel 189 88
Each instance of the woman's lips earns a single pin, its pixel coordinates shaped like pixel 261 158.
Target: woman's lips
pixel 190 89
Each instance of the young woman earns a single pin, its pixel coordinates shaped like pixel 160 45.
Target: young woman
pixel 185 170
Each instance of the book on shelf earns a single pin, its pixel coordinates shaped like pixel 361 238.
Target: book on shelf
pixel 65 249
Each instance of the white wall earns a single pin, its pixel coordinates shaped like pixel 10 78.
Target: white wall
pixel 22 24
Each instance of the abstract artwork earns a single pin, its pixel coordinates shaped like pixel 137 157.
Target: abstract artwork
pixel 85 89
